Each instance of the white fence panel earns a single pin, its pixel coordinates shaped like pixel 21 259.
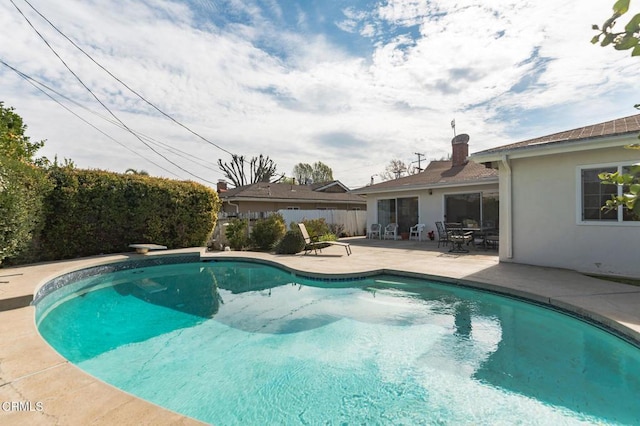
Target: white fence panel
pixel 354 221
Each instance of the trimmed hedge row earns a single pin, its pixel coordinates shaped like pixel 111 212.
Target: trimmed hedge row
pixel 22 190
pixel 92 212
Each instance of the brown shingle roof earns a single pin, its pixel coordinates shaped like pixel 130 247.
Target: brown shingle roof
pixel 620 126
pixel 437 173
pixel 285 191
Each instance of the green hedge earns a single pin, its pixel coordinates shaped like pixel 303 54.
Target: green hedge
pixel 22 190
pixel 91 212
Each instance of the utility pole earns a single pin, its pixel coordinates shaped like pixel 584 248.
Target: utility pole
pixel 453 126
pixel 420 155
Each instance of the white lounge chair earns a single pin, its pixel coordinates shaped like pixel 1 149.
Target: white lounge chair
pixel 310 244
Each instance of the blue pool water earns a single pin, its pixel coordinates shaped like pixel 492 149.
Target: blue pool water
pixel 243 343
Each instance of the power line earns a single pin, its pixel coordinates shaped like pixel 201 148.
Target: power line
pixel 35 83
pixel 125 85
pixel 97 99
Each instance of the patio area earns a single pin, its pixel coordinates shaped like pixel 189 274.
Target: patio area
pixel 32 372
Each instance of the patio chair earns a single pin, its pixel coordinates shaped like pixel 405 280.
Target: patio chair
pixel 443 237
pixel 391 230
pixel 492 240
pixel 315 245
pixel 415 232
pixel 375 231
pixel 458 237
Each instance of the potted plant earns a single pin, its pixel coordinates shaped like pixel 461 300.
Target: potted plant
pixel 431 235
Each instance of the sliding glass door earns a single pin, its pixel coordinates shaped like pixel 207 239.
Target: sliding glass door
pixel 407 213
pixel 403 211
pixel 387 212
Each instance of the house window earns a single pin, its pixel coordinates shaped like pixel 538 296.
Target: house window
pixel 594 194
pixel 473 210
pixel 463 208
pixel 293 208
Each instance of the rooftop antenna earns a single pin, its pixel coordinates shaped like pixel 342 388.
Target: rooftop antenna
pixel 453 126
pixel 420 155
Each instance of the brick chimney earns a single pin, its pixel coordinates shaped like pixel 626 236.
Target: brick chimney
pixel 222 186
pixel 460 150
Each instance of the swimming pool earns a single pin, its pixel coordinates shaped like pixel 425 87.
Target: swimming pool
pixel 235 342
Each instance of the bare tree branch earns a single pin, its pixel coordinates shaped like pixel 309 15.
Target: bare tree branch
pixel 261 169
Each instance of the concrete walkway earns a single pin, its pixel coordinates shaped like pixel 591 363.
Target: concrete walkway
pixel 39 387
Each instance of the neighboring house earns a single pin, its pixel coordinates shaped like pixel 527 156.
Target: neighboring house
pixel 551 198
pixel 451 191
pixel 264 197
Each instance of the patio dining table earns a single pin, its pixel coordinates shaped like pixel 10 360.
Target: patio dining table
pixel 489 236
pixel 458 237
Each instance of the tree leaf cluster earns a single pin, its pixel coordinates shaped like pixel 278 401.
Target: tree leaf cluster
pixel 14 143
pixel 630 183
pixel 620 40
pixel 306 174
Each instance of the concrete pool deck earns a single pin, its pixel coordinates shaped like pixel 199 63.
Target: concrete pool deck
pixel 39 387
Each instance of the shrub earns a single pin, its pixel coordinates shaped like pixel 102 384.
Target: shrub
pixel 337 229
pixel 327 237
pixel 291 243
pixel 91 212
pixel 22 191
pixel 267 232
pixel 236 233
pixel 316 227
pixel 319 229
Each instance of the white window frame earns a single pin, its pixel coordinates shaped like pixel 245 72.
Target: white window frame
pixel 579 200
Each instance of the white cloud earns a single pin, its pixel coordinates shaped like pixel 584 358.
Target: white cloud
pixel 255 84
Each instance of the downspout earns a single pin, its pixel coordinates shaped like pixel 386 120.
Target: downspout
pixel 234 205
pixel 508 192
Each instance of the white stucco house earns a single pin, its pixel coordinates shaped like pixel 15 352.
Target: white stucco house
pixel 550 199
pixel 455 190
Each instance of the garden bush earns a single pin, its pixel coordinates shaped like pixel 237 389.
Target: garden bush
pixel 236 233
pixel 22 190
pixel 267 232
pixel 291 243
pixel 92 212
pixel 317 227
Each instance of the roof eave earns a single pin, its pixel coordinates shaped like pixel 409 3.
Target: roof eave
pixel 420 187
pixel 550 148
pixel 292 200
pixel 333 183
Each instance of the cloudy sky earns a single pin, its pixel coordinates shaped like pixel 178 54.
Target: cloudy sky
pixel 351 83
